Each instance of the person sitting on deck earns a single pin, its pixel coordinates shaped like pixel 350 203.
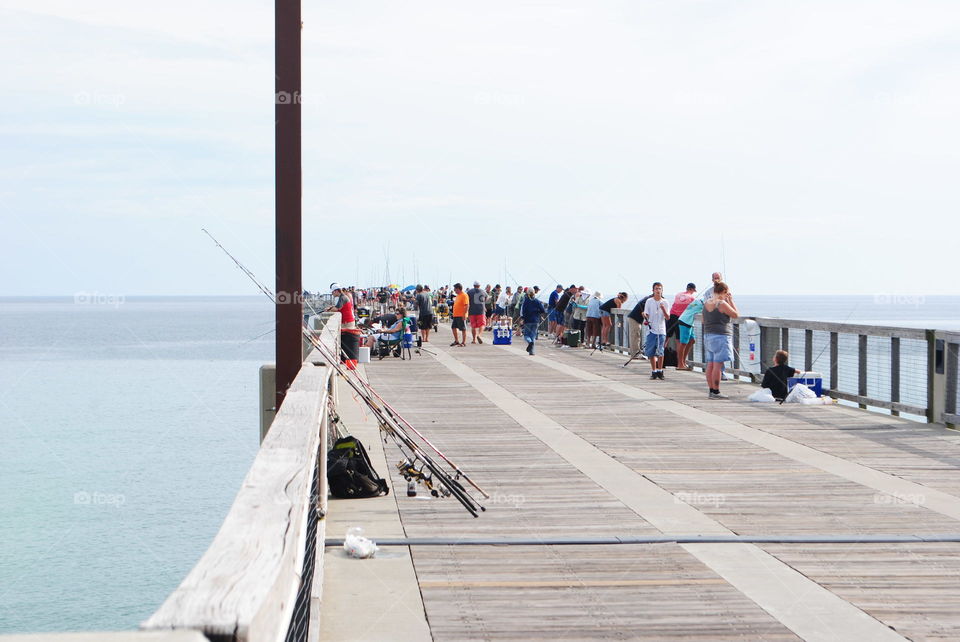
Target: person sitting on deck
pixel 775 378
pixel 396 331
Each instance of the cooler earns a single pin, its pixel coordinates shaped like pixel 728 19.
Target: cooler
pixel 407 340
pixel 502 336
pixel 573 338
pixel 812 380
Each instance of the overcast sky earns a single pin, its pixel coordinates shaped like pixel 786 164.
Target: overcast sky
pixel 808 146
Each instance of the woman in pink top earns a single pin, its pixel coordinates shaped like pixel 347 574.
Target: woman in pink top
pixel 676 329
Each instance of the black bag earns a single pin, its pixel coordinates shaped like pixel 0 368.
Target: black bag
pixel 350 473
pixel 670 353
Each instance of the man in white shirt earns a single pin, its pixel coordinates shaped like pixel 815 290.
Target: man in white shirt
pixel 655 313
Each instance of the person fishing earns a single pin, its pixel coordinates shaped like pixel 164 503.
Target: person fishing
pixel 718 311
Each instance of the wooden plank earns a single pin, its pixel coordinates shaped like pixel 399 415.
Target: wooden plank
pixel 511 593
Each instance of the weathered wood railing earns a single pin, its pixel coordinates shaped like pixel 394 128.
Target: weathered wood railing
pixel 251 578
pixel 903 370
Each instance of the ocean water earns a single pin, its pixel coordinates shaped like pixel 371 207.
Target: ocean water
pixel 128 426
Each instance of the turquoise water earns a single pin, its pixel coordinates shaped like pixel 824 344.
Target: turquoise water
pixel 127 431
pixel 128 426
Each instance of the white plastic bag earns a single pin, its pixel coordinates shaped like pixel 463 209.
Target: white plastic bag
pixel 358 546
pixel 799 393
pixel 764 395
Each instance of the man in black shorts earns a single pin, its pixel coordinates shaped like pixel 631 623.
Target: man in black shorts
pixel 425 309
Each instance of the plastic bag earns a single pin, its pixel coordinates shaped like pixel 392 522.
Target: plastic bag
pixel 799 393
pixel 764 395
pixel 817 401
pixel 358 546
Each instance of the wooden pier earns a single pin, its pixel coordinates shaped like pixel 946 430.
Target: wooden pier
pixel 623 508
pixel 575 446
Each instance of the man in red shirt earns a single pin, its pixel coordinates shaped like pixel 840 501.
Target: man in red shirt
pixel 343 303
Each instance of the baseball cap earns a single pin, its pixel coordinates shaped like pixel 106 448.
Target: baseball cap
pixel 334 287
pixel 691 286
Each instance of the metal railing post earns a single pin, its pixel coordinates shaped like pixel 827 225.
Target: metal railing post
pixel 834 360
pixel 936 377
pixel 894 372
pixel 862 367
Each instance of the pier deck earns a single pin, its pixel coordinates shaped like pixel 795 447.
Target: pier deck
pixel 574 446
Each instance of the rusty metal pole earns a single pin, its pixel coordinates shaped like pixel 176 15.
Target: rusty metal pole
pixel 289 309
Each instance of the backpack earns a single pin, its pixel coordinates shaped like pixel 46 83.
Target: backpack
pixel 350 473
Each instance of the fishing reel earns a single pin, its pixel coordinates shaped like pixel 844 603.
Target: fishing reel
pixel 410 472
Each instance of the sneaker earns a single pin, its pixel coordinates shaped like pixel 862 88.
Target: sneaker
pixel 653 375
pixel 717 395
pixel 660 375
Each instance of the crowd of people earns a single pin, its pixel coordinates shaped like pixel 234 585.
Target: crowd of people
pixel 573 308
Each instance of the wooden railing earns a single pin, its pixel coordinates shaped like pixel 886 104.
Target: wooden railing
pixel 246 585
pixel 903 370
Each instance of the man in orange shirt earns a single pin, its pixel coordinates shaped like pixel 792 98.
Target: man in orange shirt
pixel 460 304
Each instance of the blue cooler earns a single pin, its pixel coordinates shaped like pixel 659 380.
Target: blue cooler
pixel 502 336
pixel 407 340
pixel 812 380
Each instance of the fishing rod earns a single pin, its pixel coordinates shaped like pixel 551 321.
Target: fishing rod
pixel 394 429
pixel 393 414
pixel 552 278
pixel 454 486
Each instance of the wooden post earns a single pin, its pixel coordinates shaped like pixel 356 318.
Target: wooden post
pixel 808 350
pixel 894 372
pixel 289 308
pixel 862 367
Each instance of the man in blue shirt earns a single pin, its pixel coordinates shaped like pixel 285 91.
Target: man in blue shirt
pixel 551 309
pixel 531 311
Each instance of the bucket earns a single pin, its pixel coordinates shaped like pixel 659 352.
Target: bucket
pixel 364 354
pixel 349 345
